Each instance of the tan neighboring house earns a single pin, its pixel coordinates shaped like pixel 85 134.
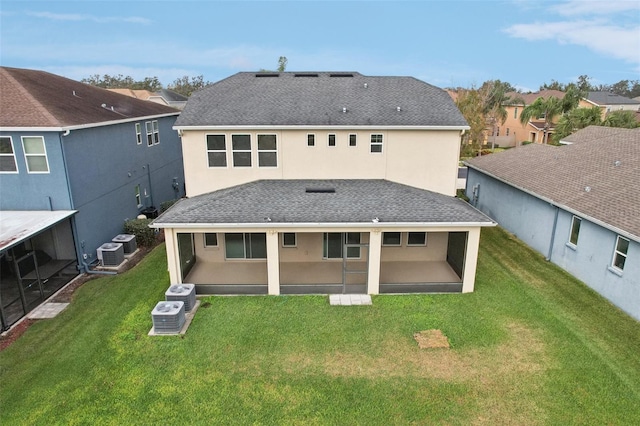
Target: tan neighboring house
pixel 317 183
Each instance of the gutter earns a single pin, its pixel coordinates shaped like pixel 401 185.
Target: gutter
pixel 319 127
pixel 67 129
pixel 313 225
pixel 560 205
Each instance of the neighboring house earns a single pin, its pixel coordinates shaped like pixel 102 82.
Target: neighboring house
pixel 610 102
pixel 576 204
pixel 76 161
pixel 321 183
pixel 512 132
pixel 163 96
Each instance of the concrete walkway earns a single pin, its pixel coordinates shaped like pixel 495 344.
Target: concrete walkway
pixel 349 299
pixel 47 310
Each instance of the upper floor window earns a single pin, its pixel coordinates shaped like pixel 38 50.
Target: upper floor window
pixel 352 139
pixel 138 134
pixel 311 139
pixel 241 146
pixel 332 139
pixel 216 151
pixel 267 151
pixel 7 156
pixel 575 230
pixel 376 143
pixel 149 127
pixel 156 132
pixel 35 154
pixel 620 253
pixel 515 112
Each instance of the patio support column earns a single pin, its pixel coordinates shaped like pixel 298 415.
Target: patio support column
pixel 172 256
pixel 375 248
pixel 470 260
pixel 273 263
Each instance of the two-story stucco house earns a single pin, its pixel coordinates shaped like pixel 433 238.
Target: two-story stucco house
pixel 577 204
pixel 321 183
pixel 76 161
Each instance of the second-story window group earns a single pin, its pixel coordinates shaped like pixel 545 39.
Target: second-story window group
pixel 242 153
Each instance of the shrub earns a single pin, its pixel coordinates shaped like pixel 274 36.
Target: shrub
pixel 145 236
pixel 165 206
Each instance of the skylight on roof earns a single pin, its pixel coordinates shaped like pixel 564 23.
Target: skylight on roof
pixel 268 74
pixel 341 75
pixel 307 74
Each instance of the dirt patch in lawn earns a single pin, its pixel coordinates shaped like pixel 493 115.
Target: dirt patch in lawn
pixel 429 339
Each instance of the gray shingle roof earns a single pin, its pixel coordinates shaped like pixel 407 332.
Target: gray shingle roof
pixel 318 99
pixel 608 98
pixel 32 98
pixel 354 201
pixel 606 160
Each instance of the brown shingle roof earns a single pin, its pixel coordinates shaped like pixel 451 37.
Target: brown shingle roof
pixel 597 177
pixel 530 98
pixel 31 98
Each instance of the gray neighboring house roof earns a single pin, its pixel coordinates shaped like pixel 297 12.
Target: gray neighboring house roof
pixel 596 177
pixel 319 99
pixel 608 98
pixel 355 201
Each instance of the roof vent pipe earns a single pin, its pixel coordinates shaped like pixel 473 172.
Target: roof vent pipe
pixel 344 109
pixel 398 109
pixel 366 85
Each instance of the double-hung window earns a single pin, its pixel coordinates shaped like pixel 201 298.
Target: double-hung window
pixel 333 244
pixel 245 246
pixel 353 139
pixel 7 156
pixel 210 239
pixel 35 154
pixel 149 127
pixel 575 230
pixel 332 139
pixel 620 253
pixel 216 151
pixel 241 146
pixel 376 143
pixel 311 139
pixel 156 132
pixel 267 151
pixel 138 134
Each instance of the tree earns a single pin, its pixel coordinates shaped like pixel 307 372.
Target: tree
pixel 577 119
pixel 120 81
pixel 626 119
pixel 186 85
pixel 469 102
pixel 494 99
pixel 546 108
pixel 282 63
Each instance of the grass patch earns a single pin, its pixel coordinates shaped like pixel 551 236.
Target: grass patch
pixel 532 345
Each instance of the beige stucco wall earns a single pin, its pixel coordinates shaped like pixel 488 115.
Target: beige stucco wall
pixel 425 159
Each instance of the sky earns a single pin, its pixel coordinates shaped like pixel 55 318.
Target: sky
pixel 446 43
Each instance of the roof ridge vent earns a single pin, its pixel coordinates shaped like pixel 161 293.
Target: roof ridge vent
pixel 320 190
pixel 267 74
pixel 341 74
pixel 306 74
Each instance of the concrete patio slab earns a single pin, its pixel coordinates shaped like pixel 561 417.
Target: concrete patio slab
pixel 349 299
pixel 47 310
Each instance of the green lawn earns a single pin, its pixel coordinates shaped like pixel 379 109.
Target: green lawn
pixel 530 346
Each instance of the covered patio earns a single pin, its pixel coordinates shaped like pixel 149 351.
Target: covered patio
pixel 373 237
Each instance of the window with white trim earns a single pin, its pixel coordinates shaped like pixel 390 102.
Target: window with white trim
pixel 216 151
pixel 35 154
pixel 210 239
pixel 333 243
pixel 331 141
pixel 138 134
pixel 245 246
pixel 352 139
pixel 620 253
pixel 149 128
pixel 289 239
pixel 156 132
pixel 311 139
pixel 267 151
pixel 391 238
pixel 138 196
pixel 575 230
pixel 241 150
pixel 416 238
pixel 7 156
pixel 376 143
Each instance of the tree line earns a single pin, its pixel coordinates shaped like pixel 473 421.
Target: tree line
pixel 184 85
